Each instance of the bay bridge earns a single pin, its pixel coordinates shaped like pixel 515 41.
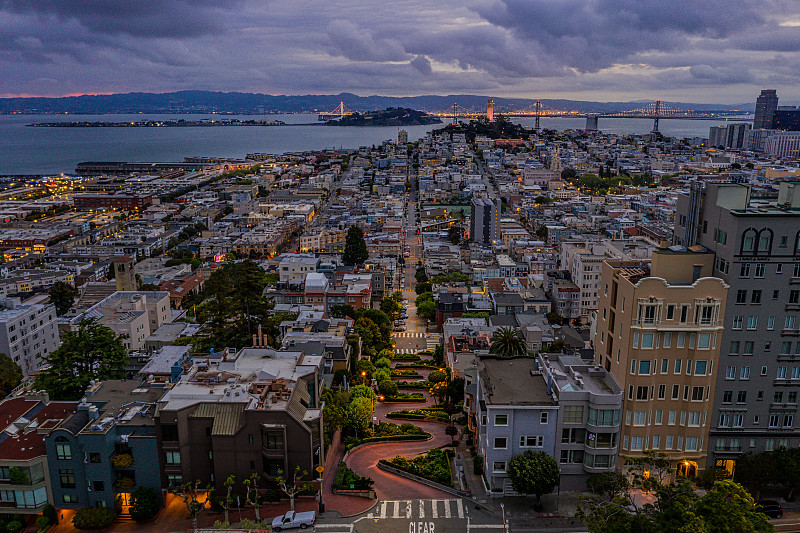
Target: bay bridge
pixel 654 111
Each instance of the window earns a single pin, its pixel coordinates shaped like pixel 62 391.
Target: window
pixel 775 294
pixel 647 341
pixel 644 367
pixel 603 417
pixel 781 372
pixel 779 268
pixel 697 394
pixel 788 322
pixel 734 349
pixel 70 498
pixel 794 296
pixel 752 322
pixel 727 396
pixel 573 414
pixel 724 420
pixel 499 466
pixel 755 297
pixel 531 441
pixel 647 313
pixel 691 443
pixel 67 478
pixel 667 340
pixel 633 365
pixel 792 397
pixel 741 296
pixel 677 369
pixel 737 322
pixel 662 391
pixel 684 313
pixel 272 440
pixel 543 418
pixel 670 311
pixel 764 240
pixel 94 457
pixel 668 444
pixel 704 341
pixel 796 270
pixel 744 270
pixel 571 456
pixel 694 419
pixel 758 272
pixel 788 420
pixel 786 347
pixel 770 323
pixel 748 347
pixel 500 420
pixel 741 396
pixel 676 392
pixel 637 443
pixel 500 443
pixel 744 374
pixel 63 449
pixel 98 486
pixel 700 368
pixel 671 417
pixel 174 480
pixel 681 339
pixel 639 418
pixel 172 458
pixel 774 421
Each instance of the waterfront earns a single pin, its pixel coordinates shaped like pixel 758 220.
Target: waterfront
pixel 25 150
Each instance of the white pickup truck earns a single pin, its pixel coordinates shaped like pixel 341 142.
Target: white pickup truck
pixel 292 520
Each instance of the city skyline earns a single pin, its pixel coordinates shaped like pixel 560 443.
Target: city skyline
pixel 599 50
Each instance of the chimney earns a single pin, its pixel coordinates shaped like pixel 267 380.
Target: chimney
pixel 260 336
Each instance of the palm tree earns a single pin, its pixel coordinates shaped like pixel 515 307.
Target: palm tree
pixel 508 342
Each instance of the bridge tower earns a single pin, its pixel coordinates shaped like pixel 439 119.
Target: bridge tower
pixel 538 112
pixel 340 109
pixel 455 112
pixel 655 119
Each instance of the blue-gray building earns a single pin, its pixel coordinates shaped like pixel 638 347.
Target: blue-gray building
pixel 107 448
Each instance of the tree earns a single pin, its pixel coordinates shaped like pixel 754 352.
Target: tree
pixel 437 376
pixel 554 318
pixel 343 310
pixel 421 275
pixel 252 497
pixel 391 308
pixel 423 297
pixel 388 388
pixel 508 342
pixel 227 501
pixel 454 234
pixel 425 286
pixel 438 354
pixel 427 309
pixel 359 414
pixel 608 484
pixel 541 232
pixel 62 295
pixel 361 391
pixel 725 508
pixel 398 297
pixel 291 489
pixel 568 174
pixel 92 352
pixel 191 491
pixel 144 504
pixel 451 431
pixel 10 374
pixel 533 473
pixel 355 248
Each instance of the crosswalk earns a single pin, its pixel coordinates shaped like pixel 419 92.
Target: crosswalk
pixel 409 334
pixel 419 509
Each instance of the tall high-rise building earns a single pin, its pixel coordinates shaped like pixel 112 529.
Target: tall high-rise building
pixel 731 136
pixel 484 222
pixel 766 104
pixel 757 253
pixel 124 274
pixel 659 329
pixel 402 137
pixel 490 111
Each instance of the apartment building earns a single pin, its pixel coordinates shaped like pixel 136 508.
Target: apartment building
pixel 252 411
pixel 28 332
pixel 659 332
pixel 756 242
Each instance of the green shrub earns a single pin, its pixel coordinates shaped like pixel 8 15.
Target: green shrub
pixel 434 465
pixel 347 479
pixel 144 504
pixel 93 518
pixel 14 526
pixel 50 512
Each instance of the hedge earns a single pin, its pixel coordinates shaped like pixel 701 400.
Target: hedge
pixel 414 385
pixel 434 465
pixel 405 374
pixel 93 518
pixel 420 414
pixel 420 364
pixel 345 477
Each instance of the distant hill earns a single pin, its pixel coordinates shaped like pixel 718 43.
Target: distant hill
pixel 252 103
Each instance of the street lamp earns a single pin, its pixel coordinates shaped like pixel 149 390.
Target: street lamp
pixel 503 509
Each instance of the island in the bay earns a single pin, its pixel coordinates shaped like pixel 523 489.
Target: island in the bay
pixel 160 124
pixel 392 116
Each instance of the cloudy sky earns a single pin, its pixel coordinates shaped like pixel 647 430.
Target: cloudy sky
pixel 689 50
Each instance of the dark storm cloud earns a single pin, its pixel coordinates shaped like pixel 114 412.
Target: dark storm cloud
pixel 146 18
pixel 598 49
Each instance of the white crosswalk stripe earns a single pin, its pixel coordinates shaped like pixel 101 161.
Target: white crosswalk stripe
pixel 404 509
pixel 408 334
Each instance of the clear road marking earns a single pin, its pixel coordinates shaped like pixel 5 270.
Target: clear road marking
pixel 460 507
pixel 408 509
pixel 422 509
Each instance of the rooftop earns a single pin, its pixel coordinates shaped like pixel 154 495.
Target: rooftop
pixel 512 381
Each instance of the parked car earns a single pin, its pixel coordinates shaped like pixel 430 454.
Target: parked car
pixel 399 328
pixel 770 508
pixel 293 520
